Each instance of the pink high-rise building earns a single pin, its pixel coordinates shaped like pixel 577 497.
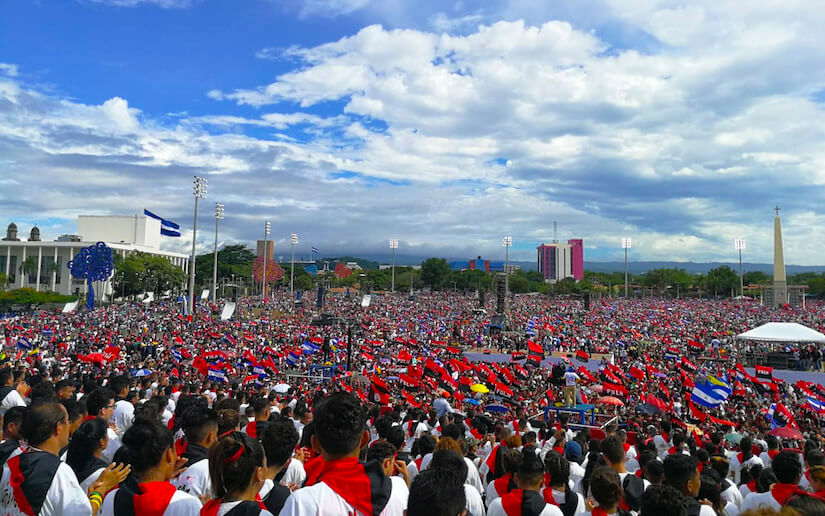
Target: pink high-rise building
pixel 559 261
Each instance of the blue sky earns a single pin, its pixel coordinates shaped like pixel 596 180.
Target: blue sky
pixel 444 124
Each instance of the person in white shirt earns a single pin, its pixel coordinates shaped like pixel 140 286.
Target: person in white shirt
pixel 238 473
pixel 345 485
pixel 745 459
pixel 85 450
pixel 558 468
pixel 101 403
pixel 124 412
pixel 682 472
pixel 437 492
pixel 450 462
pixel 150 450
pixel 49 486
pixel 571 379
pixel 788 472
pixel 527 497
pixel 11 394
pixel 200 428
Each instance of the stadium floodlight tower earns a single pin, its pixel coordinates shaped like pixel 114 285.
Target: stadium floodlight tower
pixel 507 242
pixel 739 244
pixel 265 258
pixel 393 246
pixel 218 216
pixel 293 238
pixel 199 191
pixel 626 244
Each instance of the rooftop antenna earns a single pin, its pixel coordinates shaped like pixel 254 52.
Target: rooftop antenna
pixel 555 233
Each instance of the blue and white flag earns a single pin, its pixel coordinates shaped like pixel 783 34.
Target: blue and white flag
pixel 531 327
pixel 216 375
pixel 141 373
pixel 167 227
pixel 292 358
pixel 309 348
pixel 259 370
pixel 176 355
pixel 720 386
pixel 48 331
pixel 314 250
pixel 815 404
pixel 24 343
pixel 706 395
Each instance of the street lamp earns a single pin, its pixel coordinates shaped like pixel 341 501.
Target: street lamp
pixel 507 242
pixel 626 244
pixel 739 244
pixel 393 246
pixel 218 216
pixel 199 191
pixel 293 238
pixel 267 228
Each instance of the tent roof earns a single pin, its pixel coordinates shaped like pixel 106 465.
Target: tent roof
pixel 782 332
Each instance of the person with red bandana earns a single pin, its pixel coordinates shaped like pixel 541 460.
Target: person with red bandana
pixel 262 410
pixel 557 489
pixel 510 462
pixel 773 449
pixel 527 499
pixel 788 472
pixel 344 485
pixel 150 450
pixel 237 469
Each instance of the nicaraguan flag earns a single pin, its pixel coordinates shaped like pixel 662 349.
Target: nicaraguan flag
pixel 720 386
pixel 292 358
pixel 705 395
pixel 176 355
pixel 309 348
pixel 258 370
pixel 816 405
pixel 167 227
pixel 216 375
pixel 24 343
pixel 314 250
pixel 671 353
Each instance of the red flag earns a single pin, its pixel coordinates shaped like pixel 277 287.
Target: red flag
pixel 695 346
pixel 111 353
pixel 201 365
pixel 583 372
pixel 410 399
pixel 687 364
pixel 404 356
pixel 637 373
pixel 764 373
pixel 614 389
pixel 656 402
pixel 415 371
pixel 582 355
pixel 517 356
pixel 409 381
pixel 532 347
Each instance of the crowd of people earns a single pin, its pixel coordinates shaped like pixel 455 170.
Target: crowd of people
pixel 138 409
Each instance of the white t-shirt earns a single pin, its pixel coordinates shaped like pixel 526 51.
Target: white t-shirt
pixel 12 399
pixel 473 476
pixel 294 474
pixel 91 479
pixel 123 416
pixel 736 466
pixel 757 500
pixel 114 443
pixel 496 509
pixel 570 378
pixel 64 496
pixel 560 496
pixel 181 504
pixel 226 507
pixel 321 500
pixel 475 505
pixel 195 480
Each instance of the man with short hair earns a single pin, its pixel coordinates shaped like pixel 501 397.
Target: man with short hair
pixel 344 485
pixel 124 413
pixel 12 394
pixel 663 499
pixel 682 472
pixel 526 500
pixel 37 482
pixel 101 403
pixel 633 486
pixel 65 390
pixel 10 447
pixel 431 494
pixel 262 412
pixel 279 441
pixel 200 426
pixel 788 472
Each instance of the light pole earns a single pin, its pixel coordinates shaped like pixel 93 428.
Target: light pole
pixel 507 242
pixel 739 244
pixel 199 191
pixel 626 244
pixel 218 216
pixel 393 246
pixel 293 238
pixel 267 227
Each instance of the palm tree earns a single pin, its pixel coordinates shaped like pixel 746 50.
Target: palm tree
pixel 4 281
pixel 28 268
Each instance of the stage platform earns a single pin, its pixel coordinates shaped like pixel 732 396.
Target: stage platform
pixel 581 409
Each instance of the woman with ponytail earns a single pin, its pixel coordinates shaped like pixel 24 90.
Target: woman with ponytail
pixel 85 448
pixel 149 448
pixel 237 470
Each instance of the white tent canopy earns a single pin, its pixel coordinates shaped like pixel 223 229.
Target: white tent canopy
pixel 782 332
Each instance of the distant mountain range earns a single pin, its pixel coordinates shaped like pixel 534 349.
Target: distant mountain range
pixel 632 267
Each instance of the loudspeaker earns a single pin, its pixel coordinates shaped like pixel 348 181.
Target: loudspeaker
pixel 482 299
pixel 500 295
pixel 586 297
pixel 319 301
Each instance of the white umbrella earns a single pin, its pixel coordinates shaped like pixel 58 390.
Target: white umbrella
pixel 281 388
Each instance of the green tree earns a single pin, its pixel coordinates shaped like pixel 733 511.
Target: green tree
pixel 721 280
pixel 4 280
pixel 232 259
pixel 141 272
pixel 28 268
pixel 756 278
pixel 434 272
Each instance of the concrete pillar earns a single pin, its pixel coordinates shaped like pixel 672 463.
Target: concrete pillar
pixel 69 275
pixel 8 259
pixel 39 265
pixel 54 271
pixel 21 263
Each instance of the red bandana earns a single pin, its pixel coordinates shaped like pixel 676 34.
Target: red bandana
pixel 503 484
pixel 355 482
pixel 773 453
pixel 154 498
pixel 781 492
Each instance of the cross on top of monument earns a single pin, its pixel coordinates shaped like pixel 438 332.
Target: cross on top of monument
pixel 777 210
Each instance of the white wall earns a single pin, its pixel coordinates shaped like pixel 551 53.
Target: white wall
pixel 138 230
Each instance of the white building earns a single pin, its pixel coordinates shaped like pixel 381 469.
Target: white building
pixel 124 235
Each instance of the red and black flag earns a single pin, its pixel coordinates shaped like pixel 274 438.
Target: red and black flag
pixel 688 365
pixel 764 373
pixel 534 348
pixel 695 347
pixel 379 392
pixel 582 355
pixel 534 360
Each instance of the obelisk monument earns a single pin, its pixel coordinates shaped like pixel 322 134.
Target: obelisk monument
pixel 780 284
